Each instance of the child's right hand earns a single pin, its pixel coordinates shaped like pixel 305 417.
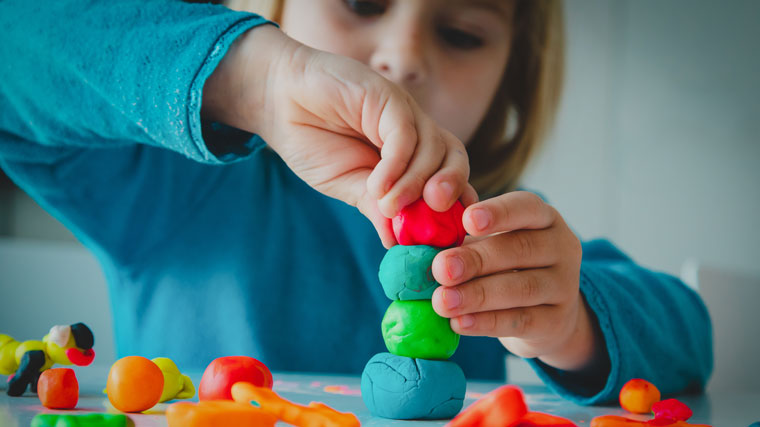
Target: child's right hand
pixel 341 127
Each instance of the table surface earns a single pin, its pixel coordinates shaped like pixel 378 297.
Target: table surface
pixel 343 394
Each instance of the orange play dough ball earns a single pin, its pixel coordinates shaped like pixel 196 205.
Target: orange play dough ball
pixel 638 396
pixel 58 388
pixel 134 384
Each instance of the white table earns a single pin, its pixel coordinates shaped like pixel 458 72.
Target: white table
pixel 342 393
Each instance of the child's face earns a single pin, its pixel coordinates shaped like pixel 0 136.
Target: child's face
pixel 449 54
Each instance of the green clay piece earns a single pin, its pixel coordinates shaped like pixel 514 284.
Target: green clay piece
pixel 405 272
pixel 413 329
pixel 79 420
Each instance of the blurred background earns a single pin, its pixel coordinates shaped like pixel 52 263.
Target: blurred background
pixel 657 148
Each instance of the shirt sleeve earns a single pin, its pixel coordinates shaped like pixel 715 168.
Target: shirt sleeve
pixel 654 327
pixel 94 74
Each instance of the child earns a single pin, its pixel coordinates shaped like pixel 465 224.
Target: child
pixel 137 133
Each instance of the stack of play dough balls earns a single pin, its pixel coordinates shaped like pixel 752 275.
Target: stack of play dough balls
pixel 415 380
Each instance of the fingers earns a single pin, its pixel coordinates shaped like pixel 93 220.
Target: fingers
pixel 368 207
pixel 417 158
pixel 395 132
pixel 427 159
pixel 511 211
pixel 450 181
pixel 497 292
pixel 524 322
pixel 503 252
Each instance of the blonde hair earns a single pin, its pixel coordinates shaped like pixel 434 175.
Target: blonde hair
pixel 524 106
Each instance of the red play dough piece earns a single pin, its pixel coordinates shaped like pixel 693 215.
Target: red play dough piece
pixel 539 419
pixel 673 409
pixel 616 421
pixel 58 388
pixel 220 374
pixel 79 357
pixel 417 224
pixel 503 407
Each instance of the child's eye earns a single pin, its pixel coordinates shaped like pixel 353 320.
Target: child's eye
pixel 460 39
pixel 367 8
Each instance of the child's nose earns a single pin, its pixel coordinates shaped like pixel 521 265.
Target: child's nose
pixel 402 57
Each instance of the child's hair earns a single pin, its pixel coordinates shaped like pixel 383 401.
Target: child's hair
pixel 523 107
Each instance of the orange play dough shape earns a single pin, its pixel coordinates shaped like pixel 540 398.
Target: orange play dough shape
pixel 134 384
pixel 314 415
pixel 217 413
pixel 637 396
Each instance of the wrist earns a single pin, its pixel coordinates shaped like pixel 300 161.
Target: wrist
pixel 237 92
pixel 584 345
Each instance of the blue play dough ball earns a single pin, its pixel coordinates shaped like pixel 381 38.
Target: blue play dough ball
pixel 405 272
pixel 403 388
pixel 757 424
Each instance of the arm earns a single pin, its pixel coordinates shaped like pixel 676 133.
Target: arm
pixel 108 74
pixel 135 72
pixel 654 327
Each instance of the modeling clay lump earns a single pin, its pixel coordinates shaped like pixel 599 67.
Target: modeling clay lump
pixel 58 388
pixel 418 224
pixel 176 384
pixel 637 396
pixel 217 413
pixel 406 274
pixel 222 373
pixel 413 329
pixel 403 388
pixel 134 384
pixel 315 415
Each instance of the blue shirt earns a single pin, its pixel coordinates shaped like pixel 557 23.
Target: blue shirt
pixel 211 246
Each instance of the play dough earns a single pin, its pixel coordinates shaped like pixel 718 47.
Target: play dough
pixel 221 373
pixel 134 384
pixel 413 329
pixel 58 388
pixel 504 406
pixel 315 415
pixel 405 272
pixel 217 413
pixel 637 396
pixel 79 420
pixel 418 224
pixel 403 388
pixel 176 384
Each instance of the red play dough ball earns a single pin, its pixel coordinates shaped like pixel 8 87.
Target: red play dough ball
pixel 58 388
pixel 637 396
pixel 220 374
pixel 418 224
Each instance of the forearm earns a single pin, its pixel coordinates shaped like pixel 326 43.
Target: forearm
pixel 237 92
pixel 110 74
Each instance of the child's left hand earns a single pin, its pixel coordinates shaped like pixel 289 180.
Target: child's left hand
pixel 517 278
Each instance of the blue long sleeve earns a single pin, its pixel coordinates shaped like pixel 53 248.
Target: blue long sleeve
pixel 654 327
pixel 89 74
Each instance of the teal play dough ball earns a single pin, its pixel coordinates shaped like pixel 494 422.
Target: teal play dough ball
pixel 405 272
pixel 403 388
pixel 413 329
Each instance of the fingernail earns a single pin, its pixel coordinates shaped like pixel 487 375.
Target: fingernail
pixel 466 321
pixel 481 218
pixel 455 267
pixel 447 189
pixel 452 298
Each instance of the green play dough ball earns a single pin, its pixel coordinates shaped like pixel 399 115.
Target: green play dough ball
pixel 405 272
pixel 413 329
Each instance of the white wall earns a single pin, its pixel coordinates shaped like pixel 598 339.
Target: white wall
pixel 656 145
